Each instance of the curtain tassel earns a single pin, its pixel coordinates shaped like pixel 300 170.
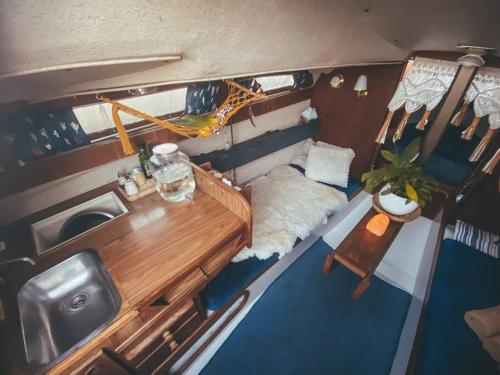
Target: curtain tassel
pixel 490 166
pixel 476 154
pixel 459 116
pixel 471 129
pixel 423 121
pixel 122 133
pixel 401 127
pixel 385 126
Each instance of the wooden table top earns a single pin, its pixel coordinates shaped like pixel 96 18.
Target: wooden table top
pixel 150 248
pixel 362 251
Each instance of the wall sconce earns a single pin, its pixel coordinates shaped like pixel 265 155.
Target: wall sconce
pixel 361 86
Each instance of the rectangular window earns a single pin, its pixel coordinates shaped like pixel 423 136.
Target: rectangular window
pixel 276 83
pixel 97 117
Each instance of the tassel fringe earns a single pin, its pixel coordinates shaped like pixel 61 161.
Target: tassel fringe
pixel 459 116
pixel 423 121
pixel 476 154
pixel 122 133
pixel 490 166
pixel 471 129
pixel 382 134
pixel 401 127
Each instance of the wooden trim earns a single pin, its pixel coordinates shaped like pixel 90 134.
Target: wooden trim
pixel 57 166
pixel 212 319
pixel 273 103
pixel 227 197
pixel 78 160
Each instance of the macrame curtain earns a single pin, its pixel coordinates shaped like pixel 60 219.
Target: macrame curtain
pixel 484 93
pixel 424 85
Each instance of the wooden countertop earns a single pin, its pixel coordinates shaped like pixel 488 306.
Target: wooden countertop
pixel 148 249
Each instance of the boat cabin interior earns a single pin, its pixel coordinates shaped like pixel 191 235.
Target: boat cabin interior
pixel 265 187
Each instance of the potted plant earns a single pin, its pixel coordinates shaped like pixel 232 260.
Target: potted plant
pixel 406 186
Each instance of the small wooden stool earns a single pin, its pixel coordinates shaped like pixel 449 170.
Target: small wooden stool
pixel 362 251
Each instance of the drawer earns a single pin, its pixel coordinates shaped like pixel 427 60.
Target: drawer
pixel 187 287
pixel 140 344
pixel 217 262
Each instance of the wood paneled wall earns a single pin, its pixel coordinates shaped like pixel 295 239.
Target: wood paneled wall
pixel 349 121
pixel 482 207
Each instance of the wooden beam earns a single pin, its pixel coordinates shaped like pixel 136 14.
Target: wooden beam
pixel 451 102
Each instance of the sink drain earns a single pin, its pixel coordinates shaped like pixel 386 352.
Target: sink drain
pixel 78 302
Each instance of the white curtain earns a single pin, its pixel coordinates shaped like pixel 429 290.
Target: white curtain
pixel 425 83
pixel 484 93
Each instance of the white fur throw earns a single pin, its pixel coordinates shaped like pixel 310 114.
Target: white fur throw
pixel 287 205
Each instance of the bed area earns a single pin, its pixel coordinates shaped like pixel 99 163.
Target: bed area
pixel 288 207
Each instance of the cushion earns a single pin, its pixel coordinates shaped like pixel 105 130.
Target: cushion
pixel 329 164
pixel 301 158
pixel 479 239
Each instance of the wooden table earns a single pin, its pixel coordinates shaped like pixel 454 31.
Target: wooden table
pixel 362 251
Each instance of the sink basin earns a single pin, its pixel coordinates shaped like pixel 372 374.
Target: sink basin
pixel 46 233
pixel 65 306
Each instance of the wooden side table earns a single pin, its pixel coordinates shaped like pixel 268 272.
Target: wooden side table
pixel 362 251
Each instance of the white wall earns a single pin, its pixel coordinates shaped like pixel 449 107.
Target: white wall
pixel 30 201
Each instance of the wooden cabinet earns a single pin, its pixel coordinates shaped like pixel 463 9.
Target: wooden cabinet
pixel 216 263
pixel 167 262
pixel 188 286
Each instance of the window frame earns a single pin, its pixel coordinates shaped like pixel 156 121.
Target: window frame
pixel 278 90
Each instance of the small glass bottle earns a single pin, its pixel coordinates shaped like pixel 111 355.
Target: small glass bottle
pixel 144 157
pixel 173 173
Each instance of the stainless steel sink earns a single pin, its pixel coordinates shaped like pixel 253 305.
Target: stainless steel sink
pixel 46 233
pixel 65 306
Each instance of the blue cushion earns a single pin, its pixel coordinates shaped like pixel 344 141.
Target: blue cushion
pixel 233 278
pixel 465 279
pixel 449 162
pixel 447 171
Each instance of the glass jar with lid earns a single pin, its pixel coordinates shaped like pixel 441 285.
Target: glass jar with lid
pixel 172 172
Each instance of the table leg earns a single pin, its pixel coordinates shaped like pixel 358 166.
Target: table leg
pixel 329 261
pixel 360 289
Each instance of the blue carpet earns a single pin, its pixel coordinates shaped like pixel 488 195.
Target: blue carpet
pixel 465 279
pixel 307 323
pixel 233 278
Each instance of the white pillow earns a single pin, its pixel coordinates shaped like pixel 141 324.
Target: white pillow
pixel 301 158
pixel 329 164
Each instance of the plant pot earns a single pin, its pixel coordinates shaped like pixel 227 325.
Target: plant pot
pixel 395 204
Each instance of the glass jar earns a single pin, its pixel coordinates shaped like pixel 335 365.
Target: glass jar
pixel 172 172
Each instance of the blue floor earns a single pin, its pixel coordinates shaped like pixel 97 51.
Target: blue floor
pixel 465 279
pixel 307 323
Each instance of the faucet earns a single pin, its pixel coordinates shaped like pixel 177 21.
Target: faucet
pixel 14 260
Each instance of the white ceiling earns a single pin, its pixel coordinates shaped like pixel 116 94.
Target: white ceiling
pixel 221 38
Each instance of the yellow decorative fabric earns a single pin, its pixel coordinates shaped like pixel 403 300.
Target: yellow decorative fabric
pixel 189 126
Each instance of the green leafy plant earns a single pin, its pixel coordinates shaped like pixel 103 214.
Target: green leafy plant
pixel 405 178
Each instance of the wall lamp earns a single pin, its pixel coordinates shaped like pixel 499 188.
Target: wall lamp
pixel 361 86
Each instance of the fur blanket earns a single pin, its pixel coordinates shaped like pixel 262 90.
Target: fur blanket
pixel 287 205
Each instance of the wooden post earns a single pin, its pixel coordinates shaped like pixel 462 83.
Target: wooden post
pixel 454 97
